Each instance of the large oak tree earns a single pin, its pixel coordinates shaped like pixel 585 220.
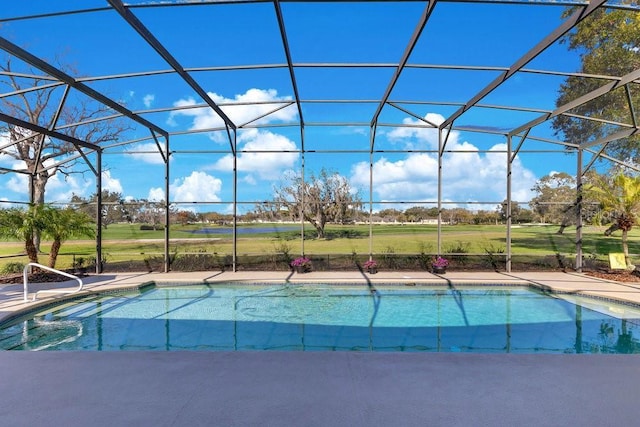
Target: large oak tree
pixel 609 45
pixel 320 199
pixel 80 117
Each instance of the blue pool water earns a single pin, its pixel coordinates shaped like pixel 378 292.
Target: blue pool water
pixel 329 318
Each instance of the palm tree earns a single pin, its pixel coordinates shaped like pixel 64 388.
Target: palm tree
pixel 619 198
pixel 63 224
pixel 23 225
pixel 57 224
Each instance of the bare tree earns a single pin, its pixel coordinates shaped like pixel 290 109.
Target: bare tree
pixel 318 200
pixel 75 116
pixel 152 213
pixel 114 209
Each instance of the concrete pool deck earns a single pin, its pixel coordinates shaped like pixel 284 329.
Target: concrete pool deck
pixel 320 388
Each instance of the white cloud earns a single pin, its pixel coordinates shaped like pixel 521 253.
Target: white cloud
pixel 156 194
pixel 5 159
pixel 62 188
pixel 59 187
pixel 468 175
pixel 355 130
pixel 18 183
pixel 147 153
pixel 148 100
pixel 267 166
pixel 206 118
pixel 110 183
pixel 197 187
pixel 4 204
pixel 421 134
pixel 414 177
pixel 229 209
pixel 249 179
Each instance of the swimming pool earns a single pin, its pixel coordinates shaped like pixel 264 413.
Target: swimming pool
pixel 329 318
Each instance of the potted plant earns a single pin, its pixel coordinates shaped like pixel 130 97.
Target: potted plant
pixel 371 266
pixel 301 264
pixel 439 265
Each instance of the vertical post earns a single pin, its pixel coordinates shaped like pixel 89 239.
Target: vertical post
pixel 578 343
pixel 235 202
pixel 440 152
pixel 32 186
pixel 99 212
pixel 167 170
pixel 371 136
pixel 508 322
pixel 302 200
pixel 508 236
pixel 579 212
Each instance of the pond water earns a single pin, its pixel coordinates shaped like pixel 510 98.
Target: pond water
pixel 242 230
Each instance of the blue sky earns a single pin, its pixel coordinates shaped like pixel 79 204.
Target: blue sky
pixel 489 35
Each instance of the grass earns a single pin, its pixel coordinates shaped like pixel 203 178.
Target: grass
pixel 128 242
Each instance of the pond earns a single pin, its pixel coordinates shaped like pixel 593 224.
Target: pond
pixel 243 230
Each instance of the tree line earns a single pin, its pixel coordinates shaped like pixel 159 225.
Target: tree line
pixel 612 199
pixel 329 199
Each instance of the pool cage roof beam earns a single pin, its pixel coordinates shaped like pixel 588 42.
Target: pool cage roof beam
pixel 632 110
pixel 52 126
pixel 604 89
pixel 403 61
pixel 299 101
pixel 183 3
pixel 566 26
pixel 42 130
pixel 53 134
pixel 140 28
pixel 44 66
pixel 287 52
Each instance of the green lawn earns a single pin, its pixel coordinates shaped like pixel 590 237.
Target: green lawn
pixel 127 242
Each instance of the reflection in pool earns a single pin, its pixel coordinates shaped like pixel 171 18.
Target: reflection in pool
pixel 330 318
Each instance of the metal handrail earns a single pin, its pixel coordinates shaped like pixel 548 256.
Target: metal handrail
pixel 52 291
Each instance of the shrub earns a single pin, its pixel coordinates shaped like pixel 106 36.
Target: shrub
pixel 459 247
pixel 495 255
pixel 12 267
pixel 457 251
pixel 389 259
pixel 147 227
pixel 424 256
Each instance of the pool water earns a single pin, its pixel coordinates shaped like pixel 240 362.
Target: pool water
pixel 330 318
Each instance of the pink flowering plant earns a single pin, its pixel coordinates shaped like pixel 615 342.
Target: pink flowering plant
pixel 370 264
pixel 440 262
pixel 301 261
